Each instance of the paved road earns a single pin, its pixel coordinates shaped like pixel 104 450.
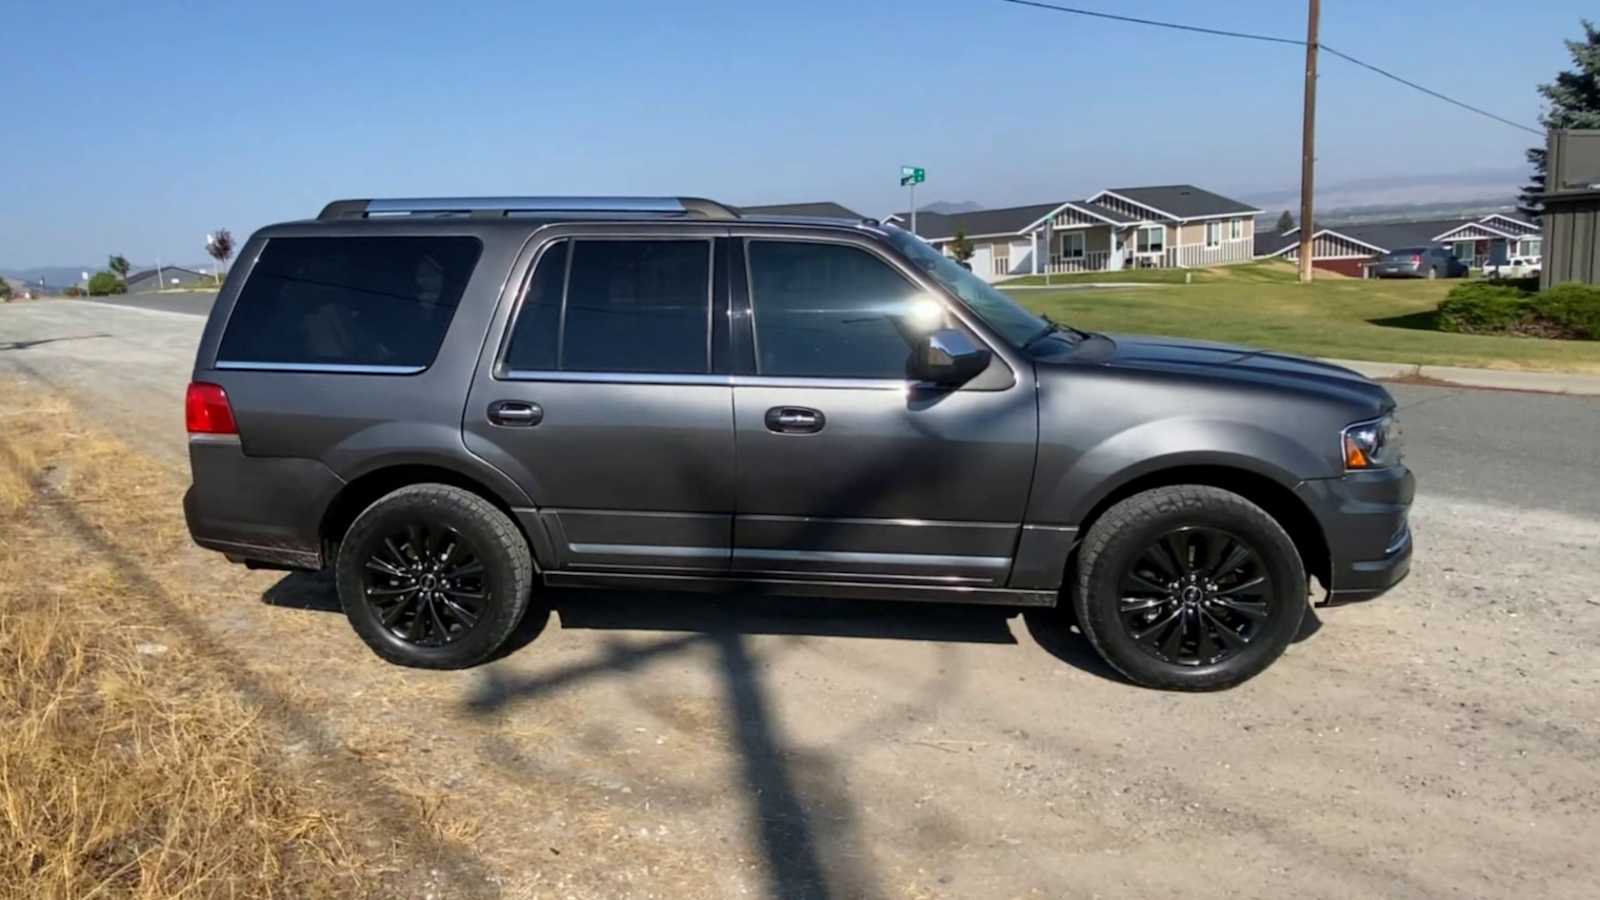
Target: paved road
pixel 1441 741
pixel 194 303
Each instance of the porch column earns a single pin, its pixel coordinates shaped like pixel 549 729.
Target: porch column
pixel 1114 259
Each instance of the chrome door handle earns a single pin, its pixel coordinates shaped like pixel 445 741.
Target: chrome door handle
pixel 515 413
pixel 795 420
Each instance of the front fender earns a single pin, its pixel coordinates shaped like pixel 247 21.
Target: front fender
pixel 1070 484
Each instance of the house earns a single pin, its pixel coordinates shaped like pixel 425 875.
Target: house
pixel 820 210
pixel 1572 208
pixel 1167 226
pixel 1347 249
pixel 145 282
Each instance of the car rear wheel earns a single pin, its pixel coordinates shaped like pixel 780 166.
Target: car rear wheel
pixel 433 576
pixel 1189 588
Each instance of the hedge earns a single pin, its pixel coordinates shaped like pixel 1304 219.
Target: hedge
pixel 1570 311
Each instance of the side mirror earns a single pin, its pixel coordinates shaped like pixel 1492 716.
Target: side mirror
pixel 950 357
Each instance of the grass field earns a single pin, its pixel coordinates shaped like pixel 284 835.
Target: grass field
pixel 1262 305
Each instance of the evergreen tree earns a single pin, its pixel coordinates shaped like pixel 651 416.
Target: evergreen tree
pixel 1574 99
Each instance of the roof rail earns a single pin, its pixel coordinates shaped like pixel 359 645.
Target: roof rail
pixel 498 207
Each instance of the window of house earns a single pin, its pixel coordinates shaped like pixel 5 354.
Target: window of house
pixel 834 311
pixel 1152 239
pixel 1072 245
pixel 1466 251
pixel 1532 246
pixel 378 303
pixel 628 306
pixel 1213 234
pixel 1235 229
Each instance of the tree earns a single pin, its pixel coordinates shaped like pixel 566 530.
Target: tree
pixel 219 244
pixel 1574 99
pixel 1285 221
pixel 103 283
pixel 118 264
pixel 961 248
pixel 5 291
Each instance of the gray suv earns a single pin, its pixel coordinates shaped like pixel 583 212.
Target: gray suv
pixel 449 402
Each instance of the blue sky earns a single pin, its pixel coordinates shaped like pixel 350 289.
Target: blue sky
pixel 142 126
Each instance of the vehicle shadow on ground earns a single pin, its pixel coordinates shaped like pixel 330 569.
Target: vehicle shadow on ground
pixel 29 345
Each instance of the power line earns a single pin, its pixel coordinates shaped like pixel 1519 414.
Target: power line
pixel 1244 35
pixel 1158 24
pixel 1432 93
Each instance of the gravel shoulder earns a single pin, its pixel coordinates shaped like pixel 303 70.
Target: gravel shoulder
pixel 1440 741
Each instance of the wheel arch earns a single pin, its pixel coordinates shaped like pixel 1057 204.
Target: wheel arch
pixel 367 488
pixel 1276 498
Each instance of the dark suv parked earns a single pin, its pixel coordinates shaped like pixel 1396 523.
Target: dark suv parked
pixel 447 401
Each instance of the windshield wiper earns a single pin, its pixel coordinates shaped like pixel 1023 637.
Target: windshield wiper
pixel 1051 327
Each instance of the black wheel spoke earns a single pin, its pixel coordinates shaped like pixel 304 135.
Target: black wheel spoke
pixel 1244 608
pixel 1242 586
pixel 460 594
pixel 384 567
pixel 390 592
pixel 1233 561
pixel 1231 638
pixel 466 570
pixel 1195 596
pixel 440 630
pixel 393 613
pixel 1138 582
pixel 466 617
pixel 1140 604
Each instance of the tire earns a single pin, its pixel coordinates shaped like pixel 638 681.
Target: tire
pixel 1433 273
pixel 449 572
pixel 1126 563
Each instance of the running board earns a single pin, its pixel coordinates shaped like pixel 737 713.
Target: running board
pixel 787 587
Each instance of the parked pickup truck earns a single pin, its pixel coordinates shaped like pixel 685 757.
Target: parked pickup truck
pixel 454 404
pixel 1515 267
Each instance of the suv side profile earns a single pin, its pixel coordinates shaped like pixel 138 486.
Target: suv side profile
pixel 452 402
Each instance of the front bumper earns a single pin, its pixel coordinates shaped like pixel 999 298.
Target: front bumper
pixel 1364 517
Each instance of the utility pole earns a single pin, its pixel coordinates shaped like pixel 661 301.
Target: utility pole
pixel 1308 144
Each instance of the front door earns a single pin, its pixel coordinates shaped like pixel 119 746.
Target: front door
pixel 847 468
pixel 603 404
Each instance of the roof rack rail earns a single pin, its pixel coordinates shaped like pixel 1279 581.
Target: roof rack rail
pixel 499 207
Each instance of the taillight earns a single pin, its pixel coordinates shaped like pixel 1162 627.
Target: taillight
pixel 1416 260
pixel 206 410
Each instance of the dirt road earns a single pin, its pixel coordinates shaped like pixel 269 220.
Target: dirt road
pixel 1442 741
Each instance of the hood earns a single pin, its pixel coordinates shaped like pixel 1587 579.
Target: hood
pixel 1247 364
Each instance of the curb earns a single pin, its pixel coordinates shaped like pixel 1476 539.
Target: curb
pixel 1494 379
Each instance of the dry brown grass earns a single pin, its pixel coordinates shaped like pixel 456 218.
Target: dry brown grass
pixel 128 769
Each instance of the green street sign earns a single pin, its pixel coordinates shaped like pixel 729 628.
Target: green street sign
pixel 912 175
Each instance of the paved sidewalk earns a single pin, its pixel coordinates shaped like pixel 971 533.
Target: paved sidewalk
pixel 1497 379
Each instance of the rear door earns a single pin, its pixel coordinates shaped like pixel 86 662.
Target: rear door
pixel 848 469
pixel 599 395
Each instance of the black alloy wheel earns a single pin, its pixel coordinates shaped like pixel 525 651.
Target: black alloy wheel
pixel 1195 597
pixel 425 583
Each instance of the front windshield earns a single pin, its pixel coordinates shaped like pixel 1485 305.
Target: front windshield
pixel 999 312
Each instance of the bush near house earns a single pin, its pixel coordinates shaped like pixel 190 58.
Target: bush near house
pixel 1568 311
pixel 104 283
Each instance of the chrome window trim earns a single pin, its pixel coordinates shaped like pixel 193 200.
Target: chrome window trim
pixel 758 381
pixel 338 368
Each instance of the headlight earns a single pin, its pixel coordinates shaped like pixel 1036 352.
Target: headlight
pixel 1372 445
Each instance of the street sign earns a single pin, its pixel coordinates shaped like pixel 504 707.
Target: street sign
pixel 910 175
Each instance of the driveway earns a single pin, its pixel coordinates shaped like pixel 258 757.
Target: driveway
pixel 194 303
pixel 1440 741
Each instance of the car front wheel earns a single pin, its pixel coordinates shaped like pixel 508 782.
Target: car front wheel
pixel 1189 587
pixel 433 576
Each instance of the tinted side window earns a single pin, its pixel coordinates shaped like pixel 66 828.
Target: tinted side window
pixel 535 339
pixel 638 306
pixel 828 310
pixel 377 301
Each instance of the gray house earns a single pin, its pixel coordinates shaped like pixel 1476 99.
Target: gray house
pixel 1348 249
pixel 1572 208
pixel 147 282
pixel 1165 226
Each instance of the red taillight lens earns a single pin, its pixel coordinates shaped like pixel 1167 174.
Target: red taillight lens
pixel 206 410
pixel 1416 260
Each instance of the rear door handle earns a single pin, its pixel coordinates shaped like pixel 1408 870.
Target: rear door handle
pixel 795 420
pixel 515 413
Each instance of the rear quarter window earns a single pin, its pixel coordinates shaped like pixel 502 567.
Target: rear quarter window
pixel 380 303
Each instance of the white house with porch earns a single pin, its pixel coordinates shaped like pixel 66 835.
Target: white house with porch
pixel 1170 226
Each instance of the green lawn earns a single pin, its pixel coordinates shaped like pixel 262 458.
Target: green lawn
pixel 1262 305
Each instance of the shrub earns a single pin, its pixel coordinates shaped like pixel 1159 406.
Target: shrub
pixel 104 283
pixel 1575 308
pixel 1478 307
